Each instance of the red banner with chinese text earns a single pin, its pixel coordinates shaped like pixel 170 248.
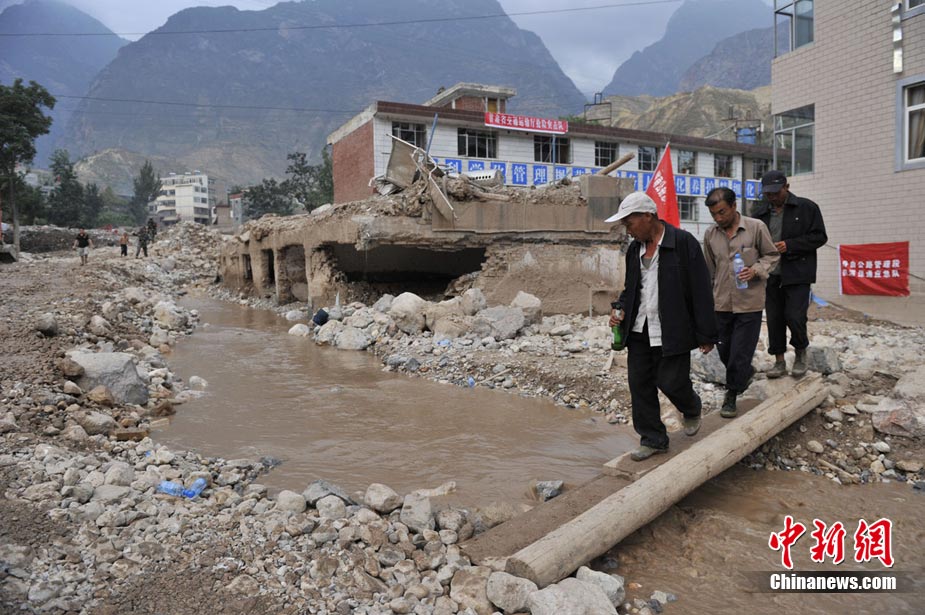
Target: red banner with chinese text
pixel 661 190
pixel 874 269
pixel 523 122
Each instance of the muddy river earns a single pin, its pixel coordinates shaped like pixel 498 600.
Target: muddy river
pixel 336 415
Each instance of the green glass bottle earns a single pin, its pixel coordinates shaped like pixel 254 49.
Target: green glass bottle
pixel 617 343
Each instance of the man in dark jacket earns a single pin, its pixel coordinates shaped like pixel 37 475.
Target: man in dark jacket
pixel 797 230
pixel 667 311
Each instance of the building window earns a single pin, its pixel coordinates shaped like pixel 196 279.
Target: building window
pixel 493 105
pixel 793 25
pixel 914 119
pixel 687 208
pixel 648 158
pixel 760 166
pixel 914 4
pixel 477 143
pixel 416 134
pixel 551 149
pixel 687 162
pixel 722 165
pixel 605 153
pixel 793 140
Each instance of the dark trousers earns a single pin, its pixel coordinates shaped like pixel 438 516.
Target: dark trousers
pixel 786 307
pixel 123 248
pixel 141 246
pixel 648 372
pixel 738 338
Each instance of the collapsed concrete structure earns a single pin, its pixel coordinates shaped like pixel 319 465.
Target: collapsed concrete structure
pixel 439 236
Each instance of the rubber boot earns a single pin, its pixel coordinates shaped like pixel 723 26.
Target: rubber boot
pixel 799 364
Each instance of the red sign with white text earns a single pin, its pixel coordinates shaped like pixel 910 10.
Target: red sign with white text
pixel 874 269
pixel 523 122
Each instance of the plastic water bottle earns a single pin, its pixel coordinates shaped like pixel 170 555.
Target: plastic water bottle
pixel 170 488
pixel 617 343
pixel 195 489
pixel 737 266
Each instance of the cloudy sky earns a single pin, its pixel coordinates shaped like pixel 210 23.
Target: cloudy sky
pixel 589 45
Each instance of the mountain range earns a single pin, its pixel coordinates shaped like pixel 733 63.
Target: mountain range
pixel 692 33
pixel 64 65
pixel 233 92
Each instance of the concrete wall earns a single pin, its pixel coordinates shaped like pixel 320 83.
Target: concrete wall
pixel 847 73
pixel 353 164
pixel 568 271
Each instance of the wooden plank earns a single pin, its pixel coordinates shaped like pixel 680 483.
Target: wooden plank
pixel 625 467
pixel 594 532
pixel 504 540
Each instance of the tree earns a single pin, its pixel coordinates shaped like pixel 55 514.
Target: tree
pixel 22 121
pixel 66 201
pixel 269 196
pixel 310 185
pixel 147 185
pixel 92 206
pixel 30 203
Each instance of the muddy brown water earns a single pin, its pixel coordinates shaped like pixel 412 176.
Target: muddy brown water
pixel 337 415
pixel 711 549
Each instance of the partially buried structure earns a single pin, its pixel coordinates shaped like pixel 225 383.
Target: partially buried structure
pixel 502 202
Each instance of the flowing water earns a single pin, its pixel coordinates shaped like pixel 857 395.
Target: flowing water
pixel 336 415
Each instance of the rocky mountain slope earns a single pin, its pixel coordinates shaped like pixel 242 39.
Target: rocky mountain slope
pixel 692 33
pixel 741 62
pixel 252 86
pixel 701 113
pixel 64 65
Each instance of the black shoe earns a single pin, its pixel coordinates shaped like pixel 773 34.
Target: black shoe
pixel 729 409
pixel 799 364
pixel 644 452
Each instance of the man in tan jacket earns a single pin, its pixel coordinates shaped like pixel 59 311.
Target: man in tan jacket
pixel 738 307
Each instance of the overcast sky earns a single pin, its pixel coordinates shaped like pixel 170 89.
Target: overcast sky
pixel 588 45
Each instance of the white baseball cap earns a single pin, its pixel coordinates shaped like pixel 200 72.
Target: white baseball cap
pixel 636 202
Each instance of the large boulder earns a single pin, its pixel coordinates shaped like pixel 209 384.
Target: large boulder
pixel 912 385
pixel 407 310
pixel 96 423
pixel 899 417
pixel 708 367
pixel 613 585
pixel 47 325
pixel 452 327
pixel 114 370
pixel 169 315
pixel 531 305
pixel 417 513
pixel 571 597
pixel 509 593
pixel 384 304
pixel 500 322
pixel 99 326
pixel 473 301
pixel 468 589
pixel 328 332
pixel 382 498
pixel 435 312
pixel 351 338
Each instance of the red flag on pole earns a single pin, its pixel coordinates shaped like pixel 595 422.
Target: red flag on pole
pixel 661 190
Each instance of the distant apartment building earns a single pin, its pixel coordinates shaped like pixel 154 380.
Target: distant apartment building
pixel 236 204
pixel 848 97
pixel 187 196
pixel 474 133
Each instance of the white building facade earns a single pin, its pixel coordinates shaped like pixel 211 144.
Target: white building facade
pixel 187 196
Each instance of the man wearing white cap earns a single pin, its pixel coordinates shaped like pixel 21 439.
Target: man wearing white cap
pixel 667 303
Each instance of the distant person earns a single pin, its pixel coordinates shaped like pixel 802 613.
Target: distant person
pixel 797 230
pixel 152 229
pixel 667 312
pixel 142 244
pixel 738 310
pixel 123 244
pixel 83 243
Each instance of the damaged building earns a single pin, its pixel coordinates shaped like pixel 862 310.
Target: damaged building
pixel 412 213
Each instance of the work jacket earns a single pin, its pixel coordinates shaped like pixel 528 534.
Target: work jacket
pixel 685 292
pixel 803 231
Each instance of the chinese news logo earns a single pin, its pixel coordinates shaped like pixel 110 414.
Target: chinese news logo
pixel 871 541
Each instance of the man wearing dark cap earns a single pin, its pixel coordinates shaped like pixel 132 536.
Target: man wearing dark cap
pixel 797 230
pixel 667 311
